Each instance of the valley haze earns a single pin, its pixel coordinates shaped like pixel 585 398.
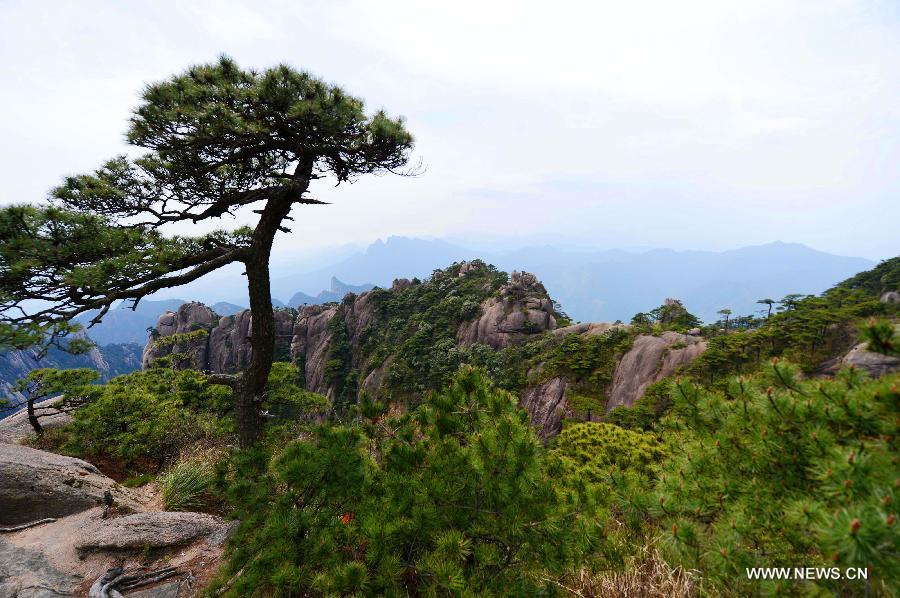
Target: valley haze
pixel 591 285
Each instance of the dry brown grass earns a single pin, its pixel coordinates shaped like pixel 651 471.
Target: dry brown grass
pixel 647 576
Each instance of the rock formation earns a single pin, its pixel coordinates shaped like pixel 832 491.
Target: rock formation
pixel 65 555
pixel 36 484
pixel 875 364
pixel 890 297
pixel 519 311
pixel 225 349
pixel 523 308
pixel 650 359
pixel 154 529
pixel 310 343
pixel 546 404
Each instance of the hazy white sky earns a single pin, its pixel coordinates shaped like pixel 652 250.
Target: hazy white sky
pixel 704 125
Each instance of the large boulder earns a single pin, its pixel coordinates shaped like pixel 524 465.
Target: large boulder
pixel 522 309
pixel 891 297
pixel 650 359
pixel 35 484
pixel 26 573
pixel 876 364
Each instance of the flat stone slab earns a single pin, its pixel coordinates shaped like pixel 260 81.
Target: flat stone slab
pixel 155 529
pixel 27 573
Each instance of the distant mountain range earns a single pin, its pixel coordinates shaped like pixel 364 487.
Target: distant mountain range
pixel 597 286
pixel 337 292
pixel 613 284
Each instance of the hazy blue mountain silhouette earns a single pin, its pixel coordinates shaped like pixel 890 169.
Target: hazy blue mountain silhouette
pixel 613 284
pixel 336 293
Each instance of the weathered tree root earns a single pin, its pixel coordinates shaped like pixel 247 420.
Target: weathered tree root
pixel 9 530
pixel 114 580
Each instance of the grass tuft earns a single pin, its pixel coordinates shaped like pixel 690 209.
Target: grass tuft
pixel 186 485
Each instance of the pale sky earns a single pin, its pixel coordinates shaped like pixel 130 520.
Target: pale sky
pixel 692 125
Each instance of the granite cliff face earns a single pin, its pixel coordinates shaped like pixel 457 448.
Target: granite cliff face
pixel 224 349
pixel 322 339
pixel 650 359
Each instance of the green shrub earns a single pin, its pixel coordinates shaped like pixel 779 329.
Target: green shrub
pixel 456 496
pixel 783 471
pixel 138 480
pixel 589 450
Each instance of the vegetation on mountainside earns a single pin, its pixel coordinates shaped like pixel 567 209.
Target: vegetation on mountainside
pixel 456 496
pixel 217 139
pixel 671 315
pixel 707 475
pixel 780 471
pixel 416 327
pixel 808 331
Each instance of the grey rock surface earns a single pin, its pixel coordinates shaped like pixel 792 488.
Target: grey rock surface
pixel 875 364
pixel 26 573
pixel 522 309
pixel 650 359
pixel 154 529
pixel 15 428
pixel 35 484
pixel 226 349
pixel 547 406
pixel 890 297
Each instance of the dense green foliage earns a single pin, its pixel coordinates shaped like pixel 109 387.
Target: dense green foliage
pixel 147 417
pixel 671 315
pixel 808 331
pixel 590 450
pixel 186 485
pixel 456 496
pixel 781 471
pixel 414 335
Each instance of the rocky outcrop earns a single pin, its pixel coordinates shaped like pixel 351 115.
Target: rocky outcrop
pixel 64 556
pixel 310 344
pixel 189 318
pixel 225 349
pixel 875 364
pixel 892 297
pixel 16 427
pixel 522 309
pixel 546 404
pixel 650 359
pixel 36 484
pixel 154 529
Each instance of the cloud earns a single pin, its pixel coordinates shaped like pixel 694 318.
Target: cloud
pixel 693 124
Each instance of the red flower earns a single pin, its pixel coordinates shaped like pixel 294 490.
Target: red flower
pixel 347 517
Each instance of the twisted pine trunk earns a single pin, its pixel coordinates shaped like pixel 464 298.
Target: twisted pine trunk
pixel 251 386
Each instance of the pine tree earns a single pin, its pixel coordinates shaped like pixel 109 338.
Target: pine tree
pixel 217 139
